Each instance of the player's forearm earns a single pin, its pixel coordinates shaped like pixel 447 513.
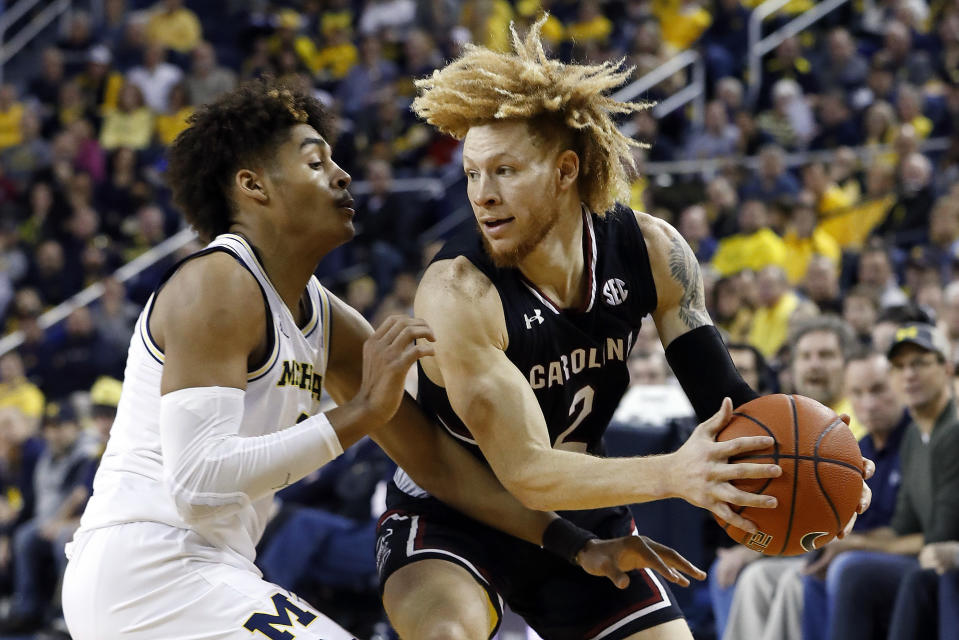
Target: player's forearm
pixel 447 471
pixel 556 480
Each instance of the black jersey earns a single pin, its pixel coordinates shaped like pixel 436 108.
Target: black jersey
pixel 574 360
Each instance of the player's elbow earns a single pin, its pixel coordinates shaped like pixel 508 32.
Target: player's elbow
pixel 535 485
pixel 195 500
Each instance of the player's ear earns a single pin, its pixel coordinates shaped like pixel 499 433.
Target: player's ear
pixel 567 167
pixel 249 184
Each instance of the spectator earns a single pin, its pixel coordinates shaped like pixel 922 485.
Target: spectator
pixel 790 122
pixel 875 270
pixel 170 124
pixel 730 308
pixel 906 223
pixel 842 67
pixel 777 304
pixel 767 601
pixel 29 157
pixel 76 41
pixel 773 181
pixel 909 110
pixel 131 125
pixel 387 19
pixel 787 64
pixel 860 310
pixel 207 79
pixel 837 126
pixel 358 89
pixel 11 114
pixel 49 276
pixel 694 227
pixel 717 138
pixel 726 39
pixel 337 55
pixel 647 130
pixel 821 284
pixel 910 65
pixel 876 404
pixel 926 603
pixel 871 566
pixel 754 247
pixel 81 356
pixel 16 391
pixel 100 83
pixel 648 368
pixel 804 240
pixel 49 520
pixel 155 78
pixel 173 26
pixel 45 87
pixel 950 319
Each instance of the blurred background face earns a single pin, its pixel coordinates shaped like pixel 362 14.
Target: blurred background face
pixel 919 376
pixel 771 284
pixel 871 393
pixel 746 364
pixel 860 313
pixel 818 367
pixel 874 268
pixel 752 216
pixel 647 368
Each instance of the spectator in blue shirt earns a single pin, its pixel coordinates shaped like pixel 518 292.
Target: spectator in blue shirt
pixel 878 408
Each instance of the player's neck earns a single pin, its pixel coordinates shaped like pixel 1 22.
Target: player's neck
pixel 288 262
pixel 557 265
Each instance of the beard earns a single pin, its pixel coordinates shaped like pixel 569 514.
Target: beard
pixel 511 257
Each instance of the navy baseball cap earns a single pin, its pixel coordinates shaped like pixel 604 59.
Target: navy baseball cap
pixel 924 336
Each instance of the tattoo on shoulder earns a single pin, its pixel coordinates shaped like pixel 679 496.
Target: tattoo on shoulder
pixel 684 269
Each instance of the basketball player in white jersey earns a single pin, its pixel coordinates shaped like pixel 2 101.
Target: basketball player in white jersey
pixel 220 401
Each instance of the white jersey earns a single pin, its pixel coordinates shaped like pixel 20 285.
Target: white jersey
pixel 283 389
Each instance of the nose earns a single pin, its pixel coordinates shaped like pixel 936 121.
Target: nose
pixel 341 179
pixel 485 193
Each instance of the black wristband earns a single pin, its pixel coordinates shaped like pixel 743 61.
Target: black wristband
pixel 565 539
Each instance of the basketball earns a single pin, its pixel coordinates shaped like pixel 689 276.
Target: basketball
pixel 821 482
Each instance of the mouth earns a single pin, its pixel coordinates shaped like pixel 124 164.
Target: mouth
pixel 346 203
pixel 496 226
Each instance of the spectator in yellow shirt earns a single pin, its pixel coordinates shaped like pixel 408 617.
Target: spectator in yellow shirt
pixel 909 108
pixel 174 26
pixel 591 27
pixel 338 54
pixel 11 113
pixel 777 303
pixel 803 240
pixel 754 247
pixel 16 390
pixel 170 124
pixel 130 125
pixel 683 21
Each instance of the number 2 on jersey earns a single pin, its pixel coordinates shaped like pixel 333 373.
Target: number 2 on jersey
pixel 584 401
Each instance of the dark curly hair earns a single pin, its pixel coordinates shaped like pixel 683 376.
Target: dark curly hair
pixel 239 129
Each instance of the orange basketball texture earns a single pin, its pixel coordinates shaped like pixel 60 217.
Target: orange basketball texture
pixel 821 482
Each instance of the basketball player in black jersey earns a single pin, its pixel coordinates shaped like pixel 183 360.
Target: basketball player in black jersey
pixel 534 313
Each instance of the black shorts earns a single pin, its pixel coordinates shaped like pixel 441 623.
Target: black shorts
pixel 558 600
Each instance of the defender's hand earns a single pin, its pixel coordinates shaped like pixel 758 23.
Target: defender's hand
pixel 613 558
pixel 387 356
pixel 702 474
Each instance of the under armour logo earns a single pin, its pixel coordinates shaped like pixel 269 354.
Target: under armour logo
pixel 537 316
pixel 615 291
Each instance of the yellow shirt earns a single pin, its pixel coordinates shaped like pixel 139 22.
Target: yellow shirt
pixel 133 129
pixel 753 251
pixel 10 134
pixel 491 28
pixel 22 395
pixel 180 30
pixel 771 324
pixel 851 228
pixel 844 406
pixel 336 60
pixel 596 30
pixel 799 251
pixel 922 126
pixel 682 26
pixel 169 126
pixel 835 197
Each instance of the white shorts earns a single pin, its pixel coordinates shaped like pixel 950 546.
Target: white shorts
pixel 140 581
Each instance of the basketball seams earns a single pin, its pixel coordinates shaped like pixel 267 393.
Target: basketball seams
pixel 815 468
pixel 775 456
pixel 786 456
pixel 792 502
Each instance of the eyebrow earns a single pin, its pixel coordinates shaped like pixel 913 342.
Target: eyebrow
pixel 308 141
pixel 498 156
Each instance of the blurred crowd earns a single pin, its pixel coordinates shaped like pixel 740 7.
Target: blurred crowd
pixel 867 231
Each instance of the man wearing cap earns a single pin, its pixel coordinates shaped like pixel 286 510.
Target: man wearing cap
pixel 927 508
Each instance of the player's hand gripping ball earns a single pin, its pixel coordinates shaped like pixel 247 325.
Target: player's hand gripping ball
pixel 821 483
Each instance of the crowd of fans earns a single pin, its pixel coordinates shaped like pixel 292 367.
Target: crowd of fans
pixel 869 233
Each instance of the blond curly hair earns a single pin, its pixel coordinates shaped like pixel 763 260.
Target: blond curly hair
pixel 483 86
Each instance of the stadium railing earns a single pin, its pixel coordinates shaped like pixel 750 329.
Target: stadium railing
pixel 25 34
pixel 694 91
